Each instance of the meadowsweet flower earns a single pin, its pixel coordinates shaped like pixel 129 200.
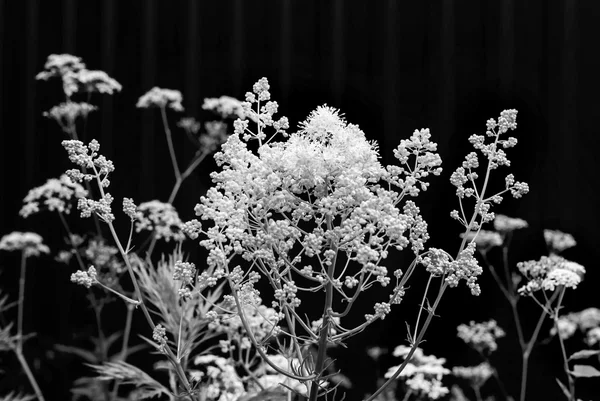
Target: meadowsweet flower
pixel 159 335
pixel 550 272
pixel 475 375
pixel 55 195
pixel 102 208
pixel 67 113
pixel 85 277
pixel 558 241
pixel 58 65
pixel 225 106
pixel 504 224
pixel 485 240
pixel 423 374
pixel 88 157
pixel 31 244
pixel 481 336
pixel 466 268
pixel 163 98
pixel 161 218
pixel 130 209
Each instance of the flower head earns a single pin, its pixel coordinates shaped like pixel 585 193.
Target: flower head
pixel 162 98
pixel 475 375
pixel 485 240
pixel 225 106
pixel 558 241
pixel 55 195
pixel 66 114
pixel 58 65
pixel 550 272
pixel 504 224
pixel 162 218
pixel 481 336
pixel 31 244
pixel 85 278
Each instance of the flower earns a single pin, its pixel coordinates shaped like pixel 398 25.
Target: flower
pixel 566 327
pixel 550 272
pixel 162 218
pixel 593 336
pixel 476 375
pixel 225 106
pixel 422 374
pixel 558 241
pixel 481 336
pixel 221 379
pixel 58 65
pixel 90 81
pixel 67 113
pixel 485 240
pixel 505 224
pixel 85 278
pixel 31 244
pixel 158 97
pixel 55 195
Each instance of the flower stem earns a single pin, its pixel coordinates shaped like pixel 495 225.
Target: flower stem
pixel 21 302
pixel 27 370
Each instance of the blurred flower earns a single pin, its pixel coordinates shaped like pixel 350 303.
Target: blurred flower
pixel 485 240
pixel 593 336
pixel 566 327
pixel 216 134
pixel 90 81
pixel 66 114
pixel 162 218
pixel 558 241
pixel 481 336
pixel 422 374
pixel 163 98
pixel 225 106
pixel 220 378
pixel 59 64
pixel 476 375
pixel 85 278
pixel 190 125
pixel 31 244
pixel 55 195
pixel 550 272
pixel 506 224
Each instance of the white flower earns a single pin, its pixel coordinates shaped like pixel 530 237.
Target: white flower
pixel 566 327
pixel 484 239
pixel 550 272
pixel 505 224
pixel 160 217
pixel 226 106
pixel 55 195
pixel 559 241
pixel 593 336
pixel 158 97
pixel 31 244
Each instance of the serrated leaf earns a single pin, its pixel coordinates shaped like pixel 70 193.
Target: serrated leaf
pixel 585 371
pixel 586 353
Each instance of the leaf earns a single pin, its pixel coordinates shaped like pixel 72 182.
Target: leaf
pixel 89 356
pixel 146 386
pixel 564 389
pixel 586 353
pixel 585 371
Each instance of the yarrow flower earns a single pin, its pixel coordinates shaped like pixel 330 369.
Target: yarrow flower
pixel 54 195
pixel 481 336
pixel 550 272
pixel 31 244
pixel 59 64
pixel 558 241
pixel 66 114
pixel 475 375
pixel 162 98
pixel 587 321
pixel 485 240
pixel 225 106
pixel 505 224
pixel 161 218
pixel 422 374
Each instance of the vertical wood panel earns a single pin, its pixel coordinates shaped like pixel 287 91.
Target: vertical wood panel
pixel 148 71
pixel 390 80
pixel 285 49
pixel 237 46
pixel 69 25
pixel 448 72
pixel 338 62
pixel 109 32
pixel 507 44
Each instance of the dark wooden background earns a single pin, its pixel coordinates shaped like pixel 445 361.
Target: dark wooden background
pixel 391 66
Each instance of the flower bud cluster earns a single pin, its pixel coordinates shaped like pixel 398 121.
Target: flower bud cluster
pixel 55 195
pixel 161 218
pixel 186 273
pixel 466 268
pixel 159 335
pixel 481 336
pixel 85 277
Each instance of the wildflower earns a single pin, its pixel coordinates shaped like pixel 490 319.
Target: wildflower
pixel 485 240
pixel 55 195
pixel 159 334
pixel 593 336
pixel 422 374
pixel 270 378
pixel 161 218
pixel 558 241
pixel 505 224
pixel 216 134
pixel 190 125
pixel 225 106
pixel 87 157
pixel 66 114
pixel 31 244
pixel 587 318
pixel 186 273
pixel 102 208
pixel 221 379
pixel 466 268
pixel 481 336
pixel 566 327
pixel 163 98
pixel 550 272
pixel 130 209
pixel 90 81
pixel 85 278
pixel 58 65
pixel 476 375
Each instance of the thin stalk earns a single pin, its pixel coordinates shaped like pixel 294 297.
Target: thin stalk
pixel 562 347
pixel 124 346
pixel 29 374
pixel 21 302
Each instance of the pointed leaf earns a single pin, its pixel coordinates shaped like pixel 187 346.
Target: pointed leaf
pixel 586 353
pixel 585 371
pixel 89 356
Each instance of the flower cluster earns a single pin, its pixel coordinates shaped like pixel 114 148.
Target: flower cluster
pixel 159 335
pixel 76 77
pixel 31 244
pixel 422 374
pixel 67 113
pixel 558 241
pixel 186 273
pixel 161 98
pixel 106 261
pixel 161 218
pixel 481 336
pixel 55 195
pixel 271 379
pixel 220 378
pixel 475 375
pixel 438 262
pixel 86 278
pixel 485 240
pixel 586 321
pixel 504 224
pixel 548 273
pixel 225 106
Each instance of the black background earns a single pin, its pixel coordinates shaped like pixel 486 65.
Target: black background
pixel 390 66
